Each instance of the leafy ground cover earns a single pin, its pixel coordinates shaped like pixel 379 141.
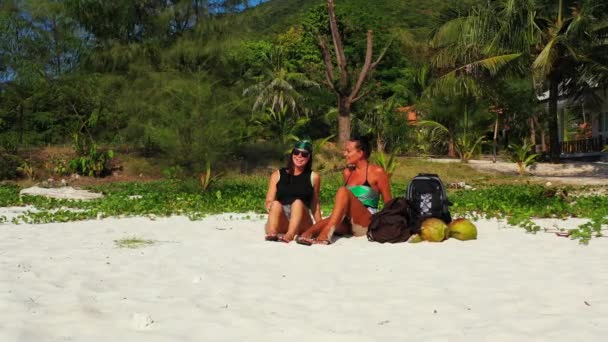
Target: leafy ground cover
pixel 518 203
pixel 133 242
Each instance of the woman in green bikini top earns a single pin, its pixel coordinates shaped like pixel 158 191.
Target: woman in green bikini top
pixel 365 193
pixel 356 201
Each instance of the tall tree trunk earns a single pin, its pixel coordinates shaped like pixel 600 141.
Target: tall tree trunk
pixel 451 146
pixel 543 140
pixel 343 119
pixel 532 131
pixel 554 145
pixel 495 139
pixel 21 124
pixel 347 85
pixel 380 144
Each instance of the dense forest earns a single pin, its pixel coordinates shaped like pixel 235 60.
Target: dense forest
pixel 199 82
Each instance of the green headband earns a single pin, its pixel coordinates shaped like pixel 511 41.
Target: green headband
pixel 303 145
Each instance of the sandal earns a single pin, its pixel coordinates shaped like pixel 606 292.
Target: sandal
pixel 272 237
pixel 305 241
pixel 322 242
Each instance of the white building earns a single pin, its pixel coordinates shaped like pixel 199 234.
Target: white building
pixel 586 127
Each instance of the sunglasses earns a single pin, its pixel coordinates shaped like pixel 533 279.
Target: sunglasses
pixel 304 154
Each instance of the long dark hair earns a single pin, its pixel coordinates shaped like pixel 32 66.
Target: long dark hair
pixel 290 166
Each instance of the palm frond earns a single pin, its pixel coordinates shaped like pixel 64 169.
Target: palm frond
pixel 434 125
pixel 493 64
pixel 449 33
pixel 546 58
pixel 452 84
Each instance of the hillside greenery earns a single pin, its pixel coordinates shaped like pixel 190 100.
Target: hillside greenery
pixel 221 83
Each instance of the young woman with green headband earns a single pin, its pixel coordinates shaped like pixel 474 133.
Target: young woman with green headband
pixel 293 195
pixel 356 201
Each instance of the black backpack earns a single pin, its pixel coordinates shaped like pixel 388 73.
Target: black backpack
pixel 391 223
pixel 427 197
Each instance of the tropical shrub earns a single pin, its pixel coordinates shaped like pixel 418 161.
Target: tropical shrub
pixel 93 163
pixel 431 137
pixel 522 156
pixel 277 125
pixel 60 167
pixel 207 178
pixel 27 170
pixel 421 141
pixel 468 148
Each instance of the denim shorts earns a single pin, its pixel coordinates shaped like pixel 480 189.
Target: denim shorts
pixel 287 210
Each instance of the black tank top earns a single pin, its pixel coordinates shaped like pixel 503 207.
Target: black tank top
pixel 291 188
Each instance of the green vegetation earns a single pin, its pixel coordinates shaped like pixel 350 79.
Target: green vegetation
pixel 521 155
pixel 171 88
pixel 93 163
pixel 133 242
pixel 516 203
pixel 560 43
pixel 196 82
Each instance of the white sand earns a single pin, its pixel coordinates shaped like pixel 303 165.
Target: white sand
pixel 66 192
pixel 217 280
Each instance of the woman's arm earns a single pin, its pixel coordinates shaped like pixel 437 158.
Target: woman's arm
pixel 345 173
pixel 315 205
pixel 272 190
pixel 383 183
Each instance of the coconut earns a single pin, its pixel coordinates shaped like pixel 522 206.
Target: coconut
pixel 463 229
pixel 414 239
pixel 434 230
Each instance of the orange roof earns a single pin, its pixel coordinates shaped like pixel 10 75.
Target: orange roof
pixel 412 116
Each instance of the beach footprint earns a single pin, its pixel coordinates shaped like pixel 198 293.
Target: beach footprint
pixel 141 321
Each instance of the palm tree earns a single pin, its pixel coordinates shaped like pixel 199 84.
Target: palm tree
pixel 569 40
pixel 278 126
pixel 564 46
pixel 376 120
pixel 276 86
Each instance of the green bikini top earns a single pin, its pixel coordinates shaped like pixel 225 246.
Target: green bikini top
pixel 364 192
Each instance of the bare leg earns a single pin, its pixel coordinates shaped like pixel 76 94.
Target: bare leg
pixel 277 221
pixel 299 221
pixel 346 205
pixel 315 229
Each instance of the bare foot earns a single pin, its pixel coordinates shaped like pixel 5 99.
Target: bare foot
pixel 305 235
pixel 287 238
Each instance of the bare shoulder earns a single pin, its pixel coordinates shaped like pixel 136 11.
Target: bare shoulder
pixel 276 174
pixel 377 170
pixel 315 178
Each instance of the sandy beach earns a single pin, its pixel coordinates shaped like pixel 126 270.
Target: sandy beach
pixel 217 280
